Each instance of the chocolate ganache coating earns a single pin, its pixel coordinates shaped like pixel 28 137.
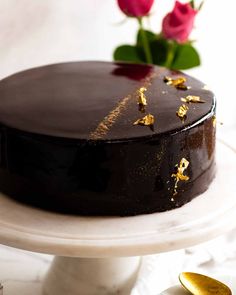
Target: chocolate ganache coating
pixel 68 142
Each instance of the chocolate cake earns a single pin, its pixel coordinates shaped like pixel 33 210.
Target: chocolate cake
pixel 100 138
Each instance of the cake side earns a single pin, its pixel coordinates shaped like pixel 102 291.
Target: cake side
pixel 108 179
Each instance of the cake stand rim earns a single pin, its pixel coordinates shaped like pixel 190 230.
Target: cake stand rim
pixel 143 244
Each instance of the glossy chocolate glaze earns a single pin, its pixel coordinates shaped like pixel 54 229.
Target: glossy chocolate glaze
pixel 57 154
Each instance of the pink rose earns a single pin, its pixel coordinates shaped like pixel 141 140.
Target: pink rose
pixel 178 24
pixel 135 8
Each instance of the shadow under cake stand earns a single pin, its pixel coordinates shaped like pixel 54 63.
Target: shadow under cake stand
pixel 101 255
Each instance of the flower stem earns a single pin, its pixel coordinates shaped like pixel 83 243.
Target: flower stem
pixel 145 42
pixel 192 4
pixel 201 5
pixel 170 55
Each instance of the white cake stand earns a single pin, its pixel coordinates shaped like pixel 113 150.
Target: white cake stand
pixel 93 254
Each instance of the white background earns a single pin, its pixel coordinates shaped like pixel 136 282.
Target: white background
pixel 35 32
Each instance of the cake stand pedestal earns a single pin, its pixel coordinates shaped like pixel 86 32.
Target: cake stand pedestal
pixel 109 248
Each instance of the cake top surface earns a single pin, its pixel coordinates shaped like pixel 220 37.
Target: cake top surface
pixel 101 101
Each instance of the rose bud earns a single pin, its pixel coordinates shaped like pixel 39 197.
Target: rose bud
pixel 135 8
pixel 178 24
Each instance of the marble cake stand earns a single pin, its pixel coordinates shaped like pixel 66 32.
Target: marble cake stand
pixel 101 255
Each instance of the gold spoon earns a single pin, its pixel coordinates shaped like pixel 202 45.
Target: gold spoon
pixel 198 284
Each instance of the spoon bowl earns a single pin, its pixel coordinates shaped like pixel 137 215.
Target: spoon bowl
pixel 198 284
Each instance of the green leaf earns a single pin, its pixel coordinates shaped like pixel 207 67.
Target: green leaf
pixel 158 47
pixel 186 57
pixel 127 53
pixel 159 50
pixel 150 37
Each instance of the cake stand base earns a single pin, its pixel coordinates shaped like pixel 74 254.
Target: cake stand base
pixel 87 276
pixel 99 241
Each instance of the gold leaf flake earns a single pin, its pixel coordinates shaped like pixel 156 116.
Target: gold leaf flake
pixel 145 121
pixel 179 175
pixel 182 111
pixel 142 100
pixel 192 98
pixel 178 83
pixel 214 121
pixel 205 87
pixel 168 80
pixel 148 120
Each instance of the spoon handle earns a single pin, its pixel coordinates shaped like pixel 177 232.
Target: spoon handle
pixel 175 290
